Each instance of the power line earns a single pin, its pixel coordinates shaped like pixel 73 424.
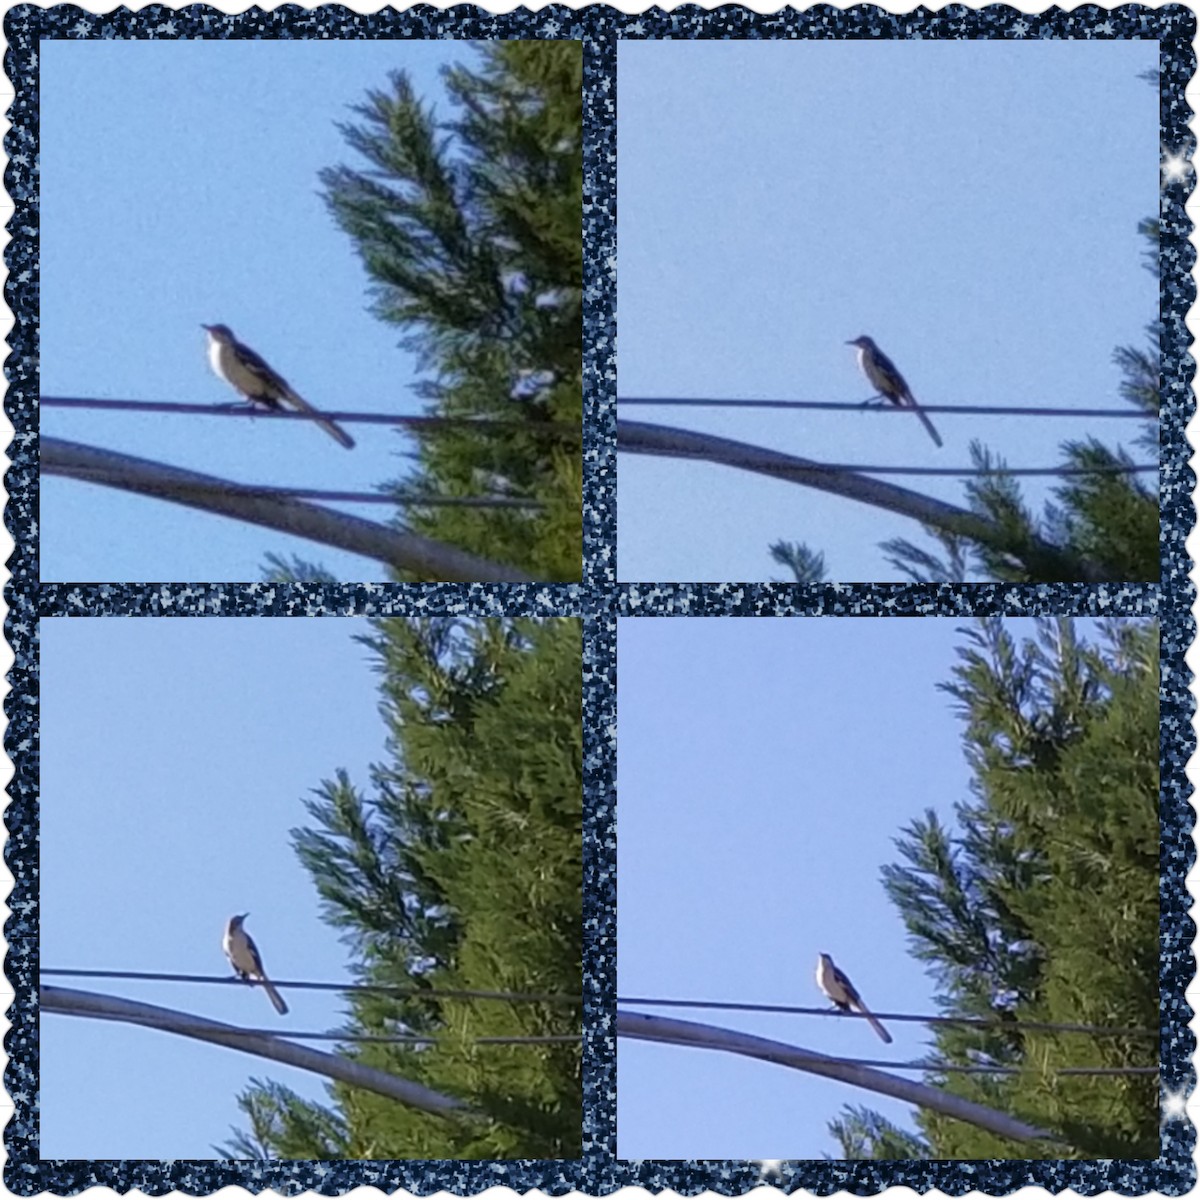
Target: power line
pixel 733 460
pixel 388 989
pixel 641 437
pixel 696 445
pixel 869 406
pixel 69 1002
pixel 958 472
pixel 427 557
pixel 402 1039
pixel 941 1067
pixel 473 424
pixel 672 1031
pixel 563 1038
pixel 415 500
pixel 985 1022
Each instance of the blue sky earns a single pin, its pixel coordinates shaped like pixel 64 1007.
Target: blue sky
pixel 179 187
pixel 973 206
pixel 765 768
pixel 175 758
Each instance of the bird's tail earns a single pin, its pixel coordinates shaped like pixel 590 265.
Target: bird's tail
pixel 277 999
pixel 334 430
pixel 874 1023
pixel 933 433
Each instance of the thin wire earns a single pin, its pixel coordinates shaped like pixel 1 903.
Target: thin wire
pixel 415 1039
pixel 972 472
pixel 475 424
pixel 442 993
pixel 960 472
pixel 415 500
pixel 938 1068
pixel 1041 1026
pixel 487 425
pixel 868 406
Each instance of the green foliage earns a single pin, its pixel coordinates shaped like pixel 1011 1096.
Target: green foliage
pixel 924 566
pixel 1045 907
pixel 461 871
pixel 865 1134
pixel 1104 526
pixel 297 570
pixel 805 564
pixel 472 233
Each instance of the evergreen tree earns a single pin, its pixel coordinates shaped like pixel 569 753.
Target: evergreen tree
pixel 1045 907
pixel 472 233
pixel 461 872
pixel 805 565
pixel 865 1134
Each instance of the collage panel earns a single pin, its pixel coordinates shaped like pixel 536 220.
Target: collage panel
pixel 326 871
pixel 351 310
pixel 921 340
pixel 889 889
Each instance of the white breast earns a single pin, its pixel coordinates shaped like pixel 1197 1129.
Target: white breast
pixel 220 358
pixel 226 364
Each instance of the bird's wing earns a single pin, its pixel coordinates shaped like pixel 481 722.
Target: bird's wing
pixel 276 389
pixel 888 367
pixel 259 366
pixel 252 950
pixel 856 1001
pixel 852 996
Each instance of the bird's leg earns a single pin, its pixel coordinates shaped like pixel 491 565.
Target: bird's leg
pixel 246 402
pixel 876 401
pixel 251 403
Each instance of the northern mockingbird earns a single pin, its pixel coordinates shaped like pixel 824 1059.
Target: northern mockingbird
pixel 243 955
pixel 244 370
pixel 887 381
pixel 842 992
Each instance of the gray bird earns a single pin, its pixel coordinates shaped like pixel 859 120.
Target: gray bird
pixel 244 958
pixel 843 993
pixel 882 375
pixel 246 371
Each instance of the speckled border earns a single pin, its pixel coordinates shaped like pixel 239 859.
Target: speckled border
pixel 598 599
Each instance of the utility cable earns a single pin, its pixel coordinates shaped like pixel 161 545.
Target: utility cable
pixel 388 989
pixel 414 500
pixel 869 406
pixel 425 557
pixel 982 1022
pixel 414 1039
pixel 423 423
